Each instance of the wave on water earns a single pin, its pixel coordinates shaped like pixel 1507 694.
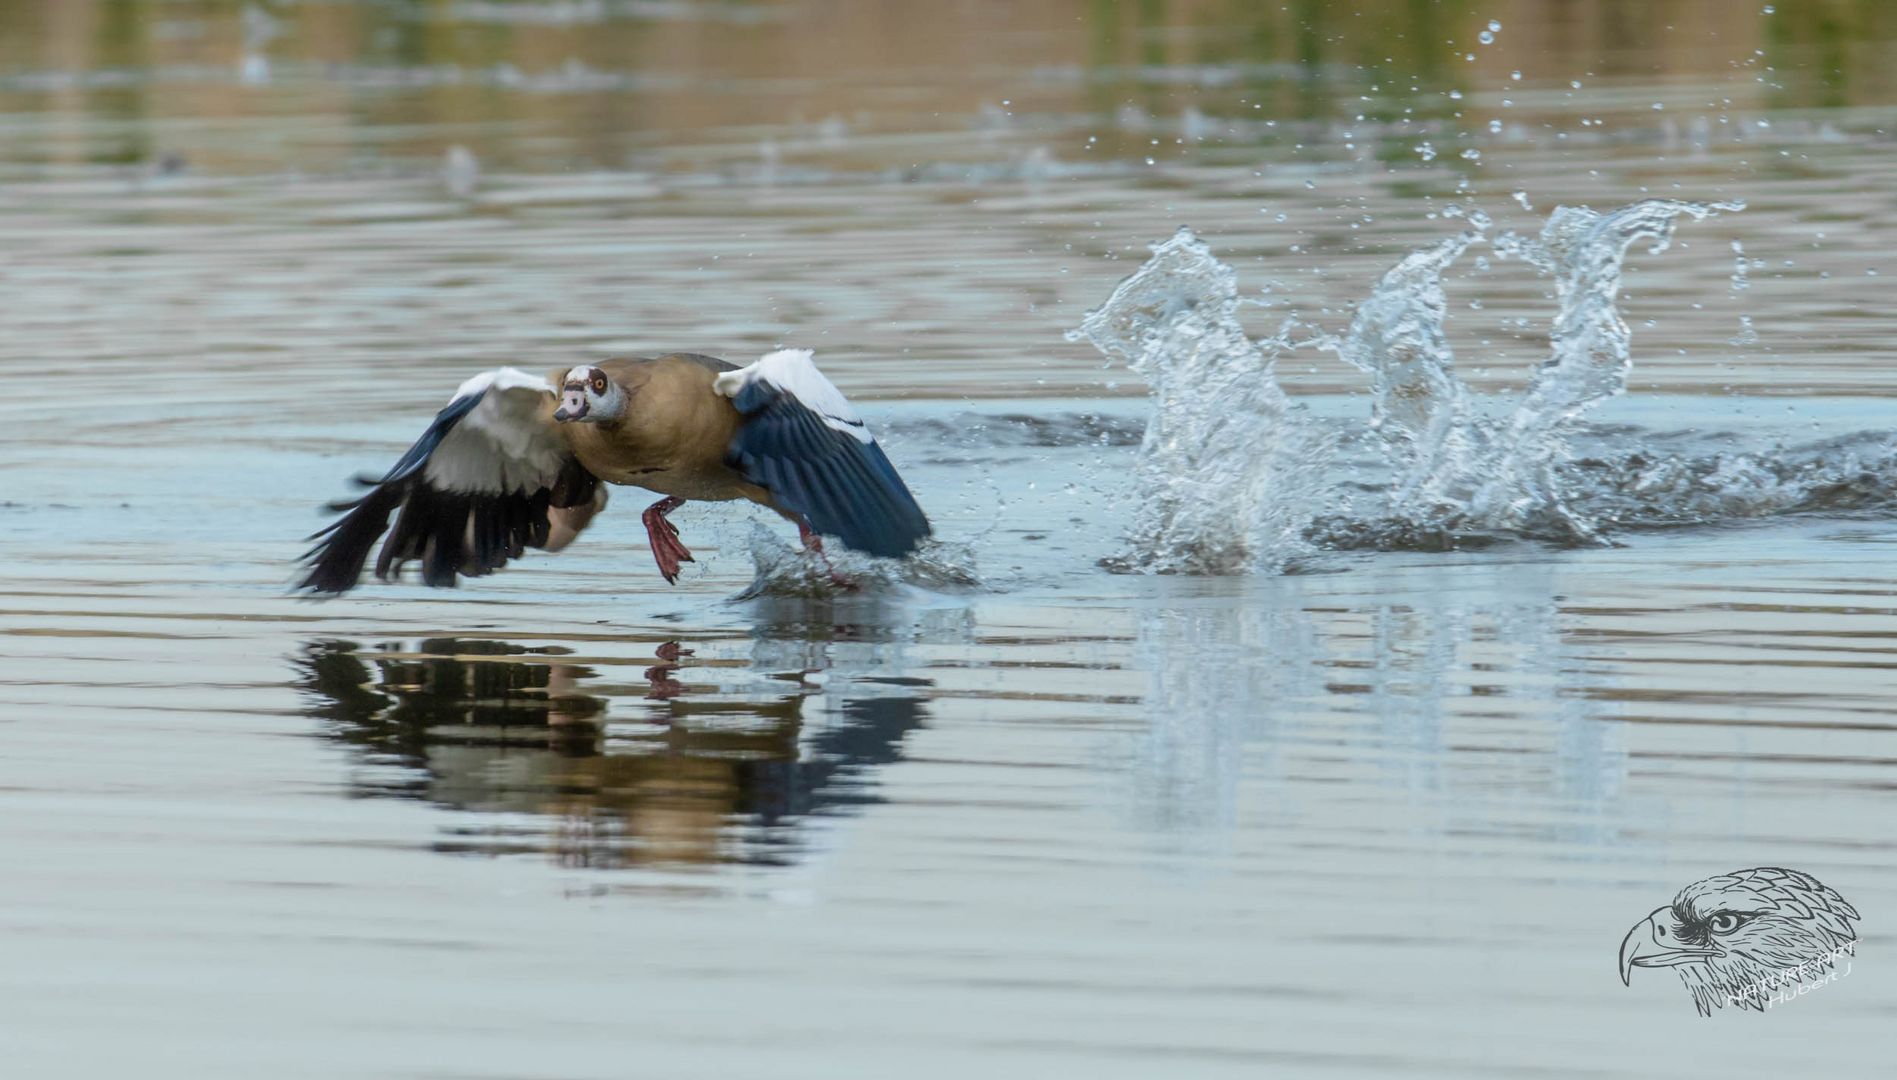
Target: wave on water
pixel 1232 474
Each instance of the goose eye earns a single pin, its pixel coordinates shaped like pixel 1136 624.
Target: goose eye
pixel 1725 922
pixel 599 384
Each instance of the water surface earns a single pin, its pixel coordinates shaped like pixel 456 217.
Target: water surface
pixel 1389 814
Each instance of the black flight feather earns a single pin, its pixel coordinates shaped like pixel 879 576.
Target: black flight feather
pixel 450 533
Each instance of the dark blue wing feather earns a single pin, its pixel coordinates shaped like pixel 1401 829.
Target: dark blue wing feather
pixel 841 485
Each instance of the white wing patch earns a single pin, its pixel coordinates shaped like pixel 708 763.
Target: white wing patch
pixel 505 443
pixel 506 378
pixel 791 371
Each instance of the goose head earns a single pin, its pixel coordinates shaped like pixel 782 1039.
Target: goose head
pixel 587 396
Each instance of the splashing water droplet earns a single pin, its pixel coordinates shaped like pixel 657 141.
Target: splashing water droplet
pixel 1486 37
pixel 1227 469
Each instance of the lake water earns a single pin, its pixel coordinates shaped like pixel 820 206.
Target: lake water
pixel 1383 806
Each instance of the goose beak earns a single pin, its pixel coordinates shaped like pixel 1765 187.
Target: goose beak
pixel 572 407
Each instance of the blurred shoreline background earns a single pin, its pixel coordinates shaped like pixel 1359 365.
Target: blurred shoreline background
pixel 670 85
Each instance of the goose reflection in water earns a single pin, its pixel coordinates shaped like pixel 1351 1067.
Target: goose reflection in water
pixel 706 775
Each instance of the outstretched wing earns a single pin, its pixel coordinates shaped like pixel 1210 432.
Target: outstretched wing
pixel 801 441
pixel 491 477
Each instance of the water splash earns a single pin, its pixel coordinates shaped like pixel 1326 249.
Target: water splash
pixel 1591 359
pixel 1419 407
pixel 1640 489
pixel 787 570
pixel 1226 463
pixel 1229 469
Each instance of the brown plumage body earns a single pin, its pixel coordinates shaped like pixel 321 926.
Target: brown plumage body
pixel 671 438
pixel 674 432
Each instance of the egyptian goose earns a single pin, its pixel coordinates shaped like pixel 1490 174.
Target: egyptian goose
pixel 516 461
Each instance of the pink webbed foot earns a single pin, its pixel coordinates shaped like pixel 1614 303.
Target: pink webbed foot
pixel 667 549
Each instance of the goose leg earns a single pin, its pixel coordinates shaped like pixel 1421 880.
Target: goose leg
pixel 813 543
pixel 667 550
